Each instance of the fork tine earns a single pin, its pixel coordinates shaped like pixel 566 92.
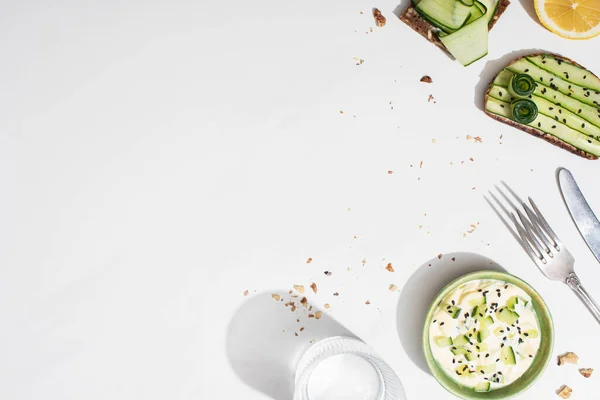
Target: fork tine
pixel 535 224
pixel 525 242
pixel 545 225
pixel 532 239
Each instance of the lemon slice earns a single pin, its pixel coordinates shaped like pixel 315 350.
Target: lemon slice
pixel 571 19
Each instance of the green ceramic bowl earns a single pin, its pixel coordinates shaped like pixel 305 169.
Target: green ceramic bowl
pixel 539 363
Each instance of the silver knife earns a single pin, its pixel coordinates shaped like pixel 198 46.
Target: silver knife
pixel 583 216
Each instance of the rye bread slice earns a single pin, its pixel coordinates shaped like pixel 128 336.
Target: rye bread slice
pixel 534 131
pixel 412 18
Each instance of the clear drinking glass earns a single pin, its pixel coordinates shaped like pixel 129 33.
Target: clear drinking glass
pixel 346 368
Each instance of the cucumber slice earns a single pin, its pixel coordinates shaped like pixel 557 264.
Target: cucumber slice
pixel 481 347
pixel 576 75
pixel 470 43
pixel 457 351
pixel 507 316
pixel 451 310
pixel 461 340
pixel 486 369
pixel 553 80
pixel 471 356
pixel 532 333
pixel 477 312
pixel 443 341
pixel 545 124
pixel 507 355
pixel 448 15
pixel 478 301
pixel 467 3
pixel 510 303
pixel 482 387
pixel 487 322
pixel 464 371
pixel 482 335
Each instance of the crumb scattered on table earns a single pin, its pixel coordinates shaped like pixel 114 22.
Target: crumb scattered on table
pixel 367 302
pixel 564 392
pixel 393 288
pixel 568 357
pixel 430 99
pixel 245 293
pixel 586 372
pixel 439 256
pixel 318 314
pixel 313 286
pixel 299 288
pixel 276 296
pixel 426 79
pixel 379 19
pixel 327 306
pixel 327 273
pixel 309 260
pixel 336 294
pixel 389 267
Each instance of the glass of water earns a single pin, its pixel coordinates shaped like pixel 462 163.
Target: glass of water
pixel 346 368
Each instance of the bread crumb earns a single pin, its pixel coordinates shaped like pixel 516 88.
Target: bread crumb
pixel 245 293
pixel 430 99
pixel 336 294
pixel 309 260
pixel 564 392
pixel 311 315
pixel 568 357
pixel 393 288
pixel 327 306
pixel 389 267
pixel 586 372
pixel 318 314
pixel 304 301
pixel 439 256
pixel 478 139
pixel 313 286
pixel 341 112
pixel 276 296
pixel 426 79
pixel 379 19
pixel 390 172
pixel 299 288
pixel 301 329
pixel 367 302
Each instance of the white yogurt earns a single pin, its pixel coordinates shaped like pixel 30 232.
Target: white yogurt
pixel 493 348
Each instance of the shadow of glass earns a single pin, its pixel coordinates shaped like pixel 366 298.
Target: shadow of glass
pixel 267 337
pixel 492 68
pixel 420 290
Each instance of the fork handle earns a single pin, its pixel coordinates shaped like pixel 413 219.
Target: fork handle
pixel 575 284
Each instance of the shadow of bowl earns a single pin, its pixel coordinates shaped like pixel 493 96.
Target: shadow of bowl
pixel 421 289
pixel 267 337
pixel 492 68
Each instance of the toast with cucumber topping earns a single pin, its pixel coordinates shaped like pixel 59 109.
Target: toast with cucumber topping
pixel 459 27
pixel 552 97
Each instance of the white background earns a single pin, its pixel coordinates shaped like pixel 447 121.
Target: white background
pixel 159 158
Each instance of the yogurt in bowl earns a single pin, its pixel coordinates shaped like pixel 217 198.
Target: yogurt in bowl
pixel 487 335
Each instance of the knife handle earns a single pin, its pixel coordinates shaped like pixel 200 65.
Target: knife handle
pixel 575 284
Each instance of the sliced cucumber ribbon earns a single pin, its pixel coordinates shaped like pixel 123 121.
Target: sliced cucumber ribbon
pixel 524 111
pixel 521 85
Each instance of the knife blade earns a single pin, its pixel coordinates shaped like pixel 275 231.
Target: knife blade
pixel 586 221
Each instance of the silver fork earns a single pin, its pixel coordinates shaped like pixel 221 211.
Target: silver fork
pixel 541 243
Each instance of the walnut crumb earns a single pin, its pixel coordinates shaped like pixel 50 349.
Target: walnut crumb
pixel 568 357
pixel 564 392
pixel 379 19
pixel 426 79
pixel 299 288
pixel 313 286
pixel 245 293
pixel 309 260
pixel 276 296
pixel 367 302
pixel 586 372
pixel 440 256
pixel 311 315
pixel 389 267
pixel 318 314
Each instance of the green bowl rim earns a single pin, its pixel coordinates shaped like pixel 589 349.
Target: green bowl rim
pixel 436 370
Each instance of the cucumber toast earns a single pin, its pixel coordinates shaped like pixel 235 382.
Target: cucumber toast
pixel 552 97
pixel 459 27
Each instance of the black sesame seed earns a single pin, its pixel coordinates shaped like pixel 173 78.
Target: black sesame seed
pixel 434 321
pixel 583 125
pixel 526 334
pixel 497 359
pixel 502 345
pixel 453 361
pixel 539 124
pixel 502 105
pixel 499 294
pixel 481 371
pixel 564 120
pixel 541 79
pixel 487 355
pixel 559 111
pixel 458 373
pixel 504 338
pixel 579 112
pixel 499 372
pixel 453 303
pixel 508 328
pixel 584 76
pixel 442 323
pixel 551 108
pixel 553 126
pixel 526 70
pixel 531 356
pixel 480 290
